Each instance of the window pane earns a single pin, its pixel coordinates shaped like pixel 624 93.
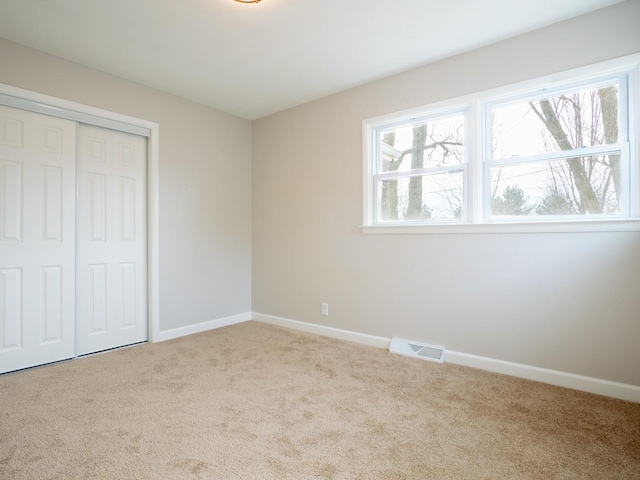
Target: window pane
pixel 422 198
pixel 584 118
pixel 573 186
pixel 430 144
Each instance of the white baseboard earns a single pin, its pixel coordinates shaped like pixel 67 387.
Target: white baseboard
pixel 598 386
pixel 356 337
pixel 561 379
pixel 201 327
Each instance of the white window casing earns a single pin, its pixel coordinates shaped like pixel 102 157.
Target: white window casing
pixel 478 157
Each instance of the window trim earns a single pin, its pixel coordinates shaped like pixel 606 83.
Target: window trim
pixel 578 226
pixel 474 107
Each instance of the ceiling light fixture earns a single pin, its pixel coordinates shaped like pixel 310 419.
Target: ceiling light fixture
pixel 248 1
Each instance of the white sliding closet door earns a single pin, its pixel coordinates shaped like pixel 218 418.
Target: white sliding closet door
pixel 111 239
pixel 37 239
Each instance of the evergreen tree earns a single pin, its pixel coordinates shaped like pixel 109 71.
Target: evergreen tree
pixel 512 202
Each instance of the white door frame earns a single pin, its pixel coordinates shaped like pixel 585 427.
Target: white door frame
pixel 96 116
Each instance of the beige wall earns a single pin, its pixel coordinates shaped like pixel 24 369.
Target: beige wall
pixel 205 179
pixel 569 302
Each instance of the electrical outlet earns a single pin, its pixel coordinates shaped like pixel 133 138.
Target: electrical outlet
pixel 325 309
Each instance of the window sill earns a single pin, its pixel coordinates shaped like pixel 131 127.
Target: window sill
pixel 626 225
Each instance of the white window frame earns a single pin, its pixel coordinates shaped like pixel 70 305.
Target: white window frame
pixel 400 174
pixel 478 162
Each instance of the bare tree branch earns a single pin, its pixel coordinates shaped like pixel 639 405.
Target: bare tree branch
pixel 550 119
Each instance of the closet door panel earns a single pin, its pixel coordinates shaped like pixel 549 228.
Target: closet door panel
pixel 111 239
pixel 37 239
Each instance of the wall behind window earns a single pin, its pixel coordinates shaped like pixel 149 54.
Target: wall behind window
pixel 205 173
pixel 569 302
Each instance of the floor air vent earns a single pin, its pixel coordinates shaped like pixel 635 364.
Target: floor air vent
pixel 432 353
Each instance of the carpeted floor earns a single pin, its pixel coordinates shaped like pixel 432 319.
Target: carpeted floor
pixel 253 401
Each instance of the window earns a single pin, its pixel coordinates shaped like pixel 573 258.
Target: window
pixel 559 154
pixel 421 170
pixel 554 153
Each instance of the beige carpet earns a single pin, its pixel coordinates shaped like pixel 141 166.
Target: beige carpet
pixel 253 401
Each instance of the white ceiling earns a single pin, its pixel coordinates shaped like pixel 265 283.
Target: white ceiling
pixel 252 60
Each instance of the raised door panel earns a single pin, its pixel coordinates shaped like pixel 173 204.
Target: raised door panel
pixel 10 201
pixel 11 309
pixel 37 239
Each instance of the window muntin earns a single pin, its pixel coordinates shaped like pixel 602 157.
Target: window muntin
pixel 482 186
